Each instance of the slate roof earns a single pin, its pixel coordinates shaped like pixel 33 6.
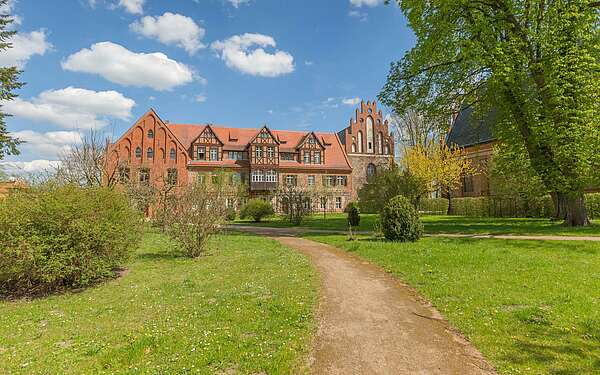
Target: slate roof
pixel 469 129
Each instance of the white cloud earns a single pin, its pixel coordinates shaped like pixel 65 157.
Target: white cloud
pixel 47 145
pixel 368 3
pixel 120 65
pixel 28 167
pixel 350 101
pixel 72 107
pixel 200 98
pixel 171 29
pixel 362 16
pixel 309 63
pixel 237 54
pixel 133 6
pixel 25 45
pixel 237 3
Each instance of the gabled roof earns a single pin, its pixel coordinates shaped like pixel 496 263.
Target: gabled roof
pixel 305 138
pixel 470 129
pixel 209 127
pixel 265 127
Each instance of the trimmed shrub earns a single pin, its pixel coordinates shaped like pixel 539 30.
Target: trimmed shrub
pixel 353 214
pixel 257 209
pixel 65 237
pixel 400 221
pixel 437 206
pixel 592 203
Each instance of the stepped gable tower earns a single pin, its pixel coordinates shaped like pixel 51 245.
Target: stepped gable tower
pixel 367 142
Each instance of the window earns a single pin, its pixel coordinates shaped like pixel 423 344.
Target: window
pixel 201 153
pixel 271 176
pixel 342 180
pixel 257 176
pixel 353 147
pixel 150 153
pixel 360 141
pixel 380 143
pixel 201 178
pixel 215 179
pixel 264 135
pixel 172 176
pixel 235 178
pixel 369 134
pixel 311 141
pixel 270 151
pixel 150 134
pixel 468 184
pixel 291 180
pixel 338 202
pixel 330 181
pixel 236 155
pixel 306 157
pixel 310 180
pixel 172 154
pixel 144 176
pixel 138 152
pixel 287 156
pixel 387 149
pixel 259 152
pixel 317 157
pixel 214 154
pixel 123 174
pixel 370 170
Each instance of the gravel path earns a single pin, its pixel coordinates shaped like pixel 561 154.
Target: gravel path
pixel 370 323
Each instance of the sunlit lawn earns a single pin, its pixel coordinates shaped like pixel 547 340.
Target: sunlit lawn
pixel 532 307
pixel 247 307
pixel 444 224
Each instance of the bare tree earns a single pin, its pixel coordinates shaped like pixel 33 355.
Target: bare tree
pixel 412 129
pixel 295 202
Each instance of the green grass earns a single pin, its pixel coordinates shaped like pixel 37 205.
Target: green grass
pixel 445 224
pixel 531 307
pixel 247 307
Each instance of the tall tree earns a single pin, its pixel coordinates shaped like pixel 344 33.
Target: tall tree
pixel 9 81
pixel 536 61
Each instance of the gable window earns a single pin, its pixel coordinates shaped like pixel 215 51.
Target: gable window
pixel 259 152
pixel 172 154
pixel 311 140
pixel 123 174
pixel 264 135
pixel 310 180
pixel 144 176
pixel 172 176
pixel 201 153
pixel 306 157
pixel 138 152
pixel 270 151
pixel 317 157
pixel 214 154
pixel 150 134
pixel 150 153
pixel 257 176
pixel 271 176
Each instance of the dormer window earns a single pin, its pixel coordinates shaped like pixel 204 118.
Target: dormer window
pixel 317 157
pixel 138 152
pixel 306 157
pixel 270 151
pixel 201 153
pixel 214 154
pixel 311 141
pixel 150 153
pixel 150 134
pixel 259 152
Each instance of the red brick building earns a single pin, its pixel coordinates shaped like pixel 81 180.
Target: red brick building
pixel 158 152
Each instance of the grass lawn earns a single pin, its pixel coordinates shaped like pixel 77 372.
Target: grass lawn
pixel 445 224
pixel 245 308
pixel 531 307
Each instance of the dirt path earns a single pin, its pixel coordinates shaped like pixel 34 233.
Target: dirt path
pixel 372 324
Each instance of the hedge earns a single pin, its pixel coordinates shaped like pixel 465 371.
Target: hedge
pixel 435 206
pixel 592 202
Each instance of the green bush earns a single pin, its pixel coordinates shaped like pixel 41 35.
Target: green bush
pixel 353 214
pixel 592 203
pixel 434 206
pixel 64 237
pixel 231 214
pixel 257 209
pixel 400 221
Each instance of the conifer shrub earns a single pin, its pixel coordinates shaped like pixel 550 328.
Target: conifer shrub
pixel 256 209
pixel 400 221
pixel 63 237
pixel 353 214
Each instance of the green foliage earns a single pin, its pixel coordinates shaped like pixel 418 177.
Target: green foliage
pixel 9 81
pixel 503 206
pixel 434 205
pixel 353 214
pixel 400 221
pixel 387 183
pixel 63 237
pixel 536 63
pixel 231 214
pixel 257 209
pixel 592 202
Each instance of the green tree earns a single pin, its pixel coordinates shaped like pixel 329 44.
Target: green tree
pixel 537 62
pixel 9 81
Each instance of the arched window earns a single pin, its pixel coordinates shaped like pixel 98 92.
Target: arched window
pixel 387 149
pixel 370 148
pixel 150 153
pixel 138 152
pixel 380 143
pixel 353 147
pixel 370 170
pixel 360 141
pixel 150 133
pixel 172 153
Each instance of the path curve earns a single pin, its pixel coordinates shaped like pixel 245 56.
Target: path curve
pixel 370 323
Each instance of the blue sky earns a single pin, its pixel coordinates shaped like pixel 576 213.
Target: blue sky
pixel 102 63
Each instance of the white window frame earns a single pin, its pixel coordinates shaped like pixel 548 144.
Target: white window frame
pixel 270 151
pixel 271 176
pixel 258 176
pixel 214 154
pixel 310 180
pixel 338 202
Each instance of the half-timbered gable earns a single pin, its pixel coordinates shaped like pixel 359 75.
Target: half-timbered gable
pixel 311 149
pixel 207 147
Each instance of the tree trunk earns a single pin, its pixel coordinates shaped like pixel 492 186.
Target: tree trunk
pixel 449 195
pixel 558 200
pixel 573 206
